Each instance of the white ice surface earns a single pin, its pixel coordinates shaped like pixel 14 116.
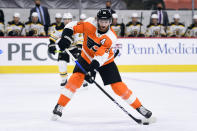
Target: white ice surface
pixel 27 101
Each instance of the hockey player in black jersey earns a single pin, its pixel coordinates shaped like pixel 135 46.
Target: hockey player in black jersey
pixel 117 27
pixel 134 28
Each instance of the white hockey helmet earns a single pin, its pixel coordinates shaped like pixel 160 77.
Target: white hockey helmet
pixel 58 15
pixel 154 16
pixel 34 14
pixel 16 15
pixel 134 15
pixel 114 16
pixel 195 17
pixel 83 16
pixel 176 16
pixel 67 16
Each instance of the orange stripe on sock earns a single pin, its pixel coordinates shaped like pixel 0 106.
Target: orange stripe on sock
pixel 123 91
pixel 63 100
pixel 136 104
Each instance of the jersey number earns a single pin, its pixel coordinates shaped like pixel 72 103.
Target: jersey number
pixel 103 41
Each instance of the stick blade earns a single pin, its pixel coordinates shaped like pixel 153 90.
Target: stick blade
pixel 55 117
pixel 149 121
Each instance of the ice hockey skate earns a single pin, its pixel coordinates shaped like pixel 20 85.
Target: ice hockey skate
pixel 145 112
pixel 57 112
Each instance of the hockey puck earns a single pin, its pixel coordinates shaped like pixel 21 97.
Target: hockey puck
pixel 146 123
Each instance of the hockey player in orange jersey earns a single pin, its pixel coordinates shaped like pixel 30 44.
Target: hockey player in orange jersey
pixel 96 55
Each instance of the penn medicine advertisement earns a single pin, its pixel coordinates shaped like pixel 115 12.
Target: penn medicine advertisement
pixel 135 54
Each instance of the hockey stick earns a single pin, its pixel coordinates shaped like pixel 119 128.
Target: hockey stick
pixel 116 53
pixel 139 121
pixel 141 23
pixel 185 32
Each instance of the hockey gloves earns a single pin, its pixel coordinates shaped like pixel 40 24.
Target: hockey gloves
pixel 1 33
pixel 92 71
pixel 66 39
pixel 52 48
pixel 31 33
pixel 13 33
pixel 64 44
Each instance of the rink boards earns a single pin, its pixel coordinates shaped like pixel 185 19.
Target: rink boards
pixel 29 55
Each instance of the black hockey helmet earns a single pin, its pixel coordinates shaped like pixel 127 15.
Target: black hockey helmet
pixel 104 13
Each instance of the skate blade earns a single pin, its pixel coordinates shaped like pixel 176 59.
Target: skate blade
pixel 55 117
pixel 149 121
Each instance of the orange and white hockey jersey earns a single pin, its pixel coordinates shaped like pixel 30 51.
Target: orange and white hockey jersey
pixel 102 51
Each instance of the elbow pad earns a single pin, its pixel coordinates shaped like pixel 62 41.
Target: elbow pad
pixel 94 65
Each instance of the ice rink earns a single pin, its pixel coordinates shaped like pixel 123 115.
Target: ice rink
pixel 27 101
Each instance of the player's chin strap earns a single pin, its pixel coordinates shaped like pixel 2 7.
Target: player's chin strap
pixel 139 121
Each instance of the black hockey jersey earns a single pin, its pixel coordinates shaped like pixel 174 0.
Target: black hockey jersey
pixel 134 30
pixel 119 29
pixel 14 29
pixel 192 31
pixel 155 30
pixel 55 26
pixel 176 30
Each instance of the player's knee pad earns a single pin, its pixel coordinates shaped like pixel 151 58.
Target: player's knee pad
pixel 62 66
pixel 121 89
pixel 75 81
pixel 63 57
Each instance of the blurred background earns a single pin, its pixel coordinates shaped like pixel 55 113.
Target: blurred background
pixel 123 8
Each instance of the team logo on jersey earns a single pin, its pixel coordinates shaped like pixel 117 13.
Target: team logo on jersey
pixel 92 44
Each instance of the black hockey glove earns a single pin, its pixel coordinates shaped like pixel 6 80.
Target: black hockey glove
pixel 77 53
pixel 1 33
pixel 31 33
pixel 16 32
pixel 92 71
pixel 51 47
pixel 11 33
pixel 64 44
pixel 66 39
